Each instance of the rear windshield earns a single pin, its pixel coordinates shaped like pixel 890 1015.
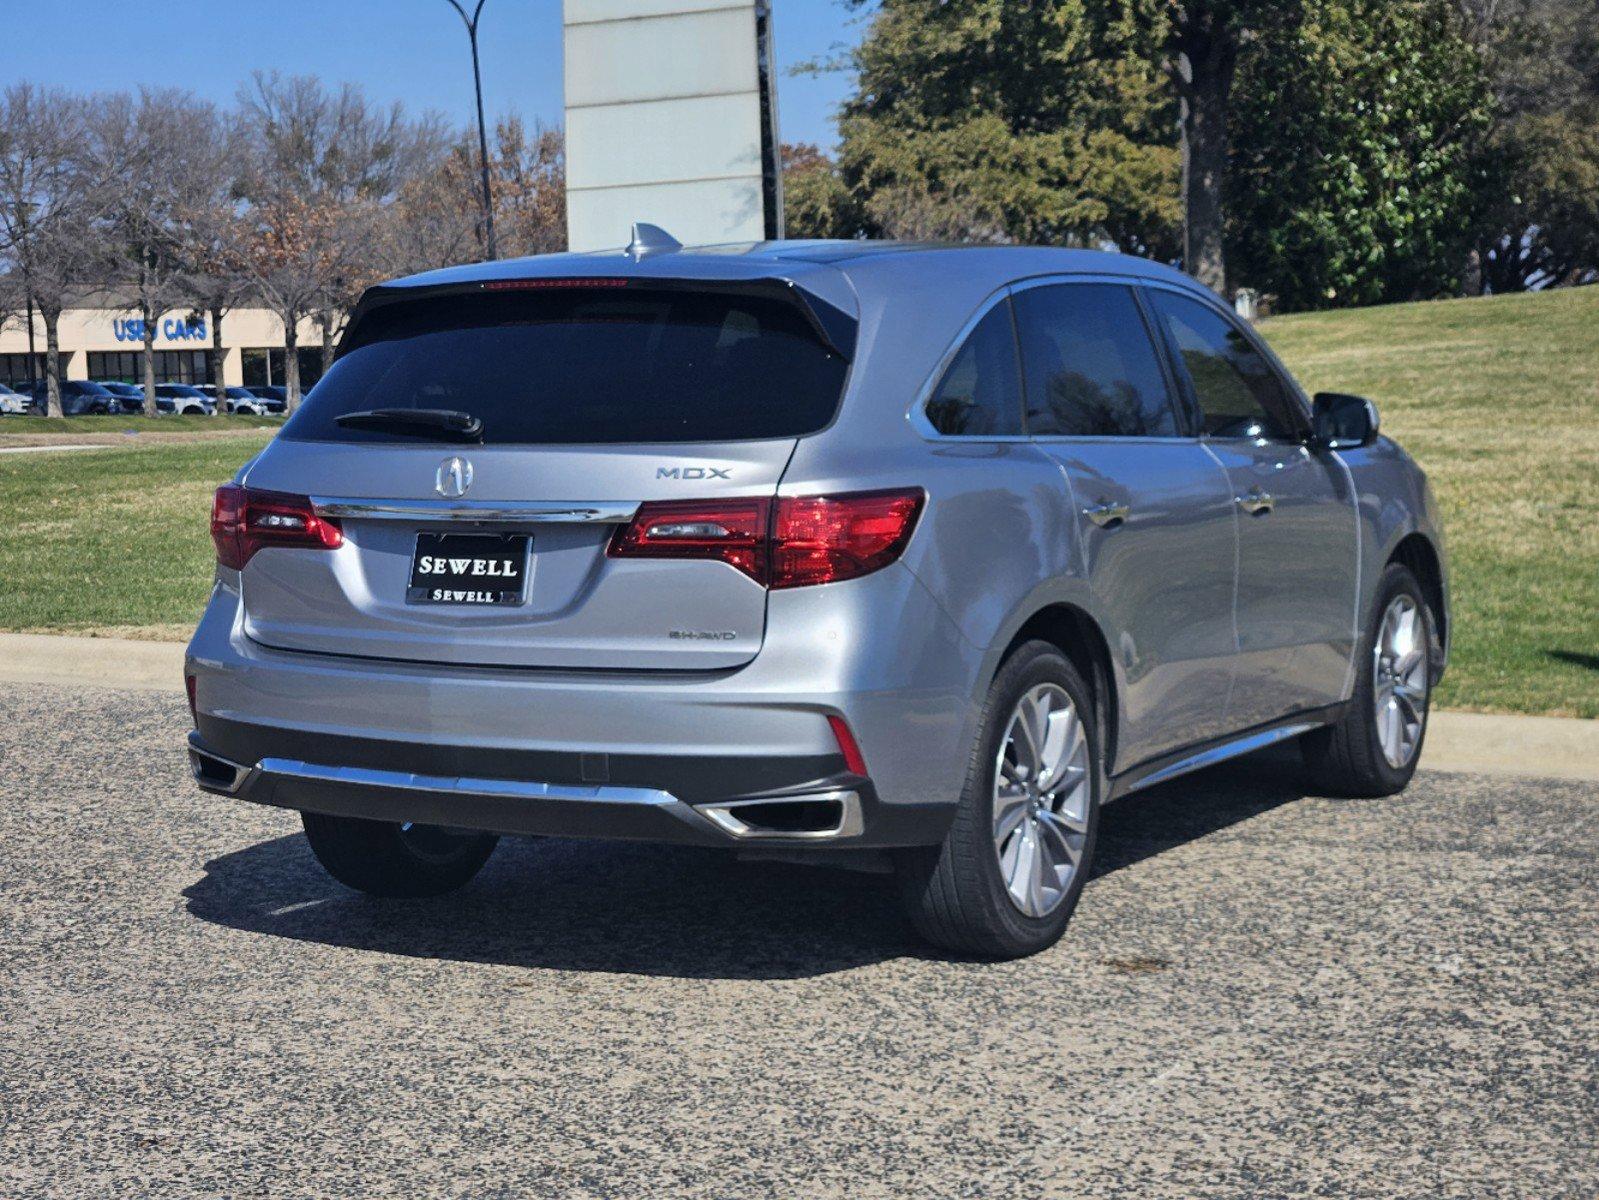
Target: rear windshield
pixel 585 365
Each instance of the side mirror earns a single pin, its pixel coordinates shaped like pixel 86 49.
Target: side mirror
pixel 1341 422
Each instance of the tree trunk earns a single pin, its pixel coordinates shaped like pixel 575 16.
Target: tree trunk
pixel 147 362
pixel 324 320
pixel 1206 62
pixel 52 361
pixel 291 358
pixel 216 362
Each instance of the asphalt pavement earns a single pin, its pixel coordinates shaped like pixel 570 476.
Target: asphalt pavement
pixel 1264 993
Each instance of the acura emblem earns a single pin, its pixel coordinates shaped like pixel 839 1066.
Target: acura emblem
pixel 454 477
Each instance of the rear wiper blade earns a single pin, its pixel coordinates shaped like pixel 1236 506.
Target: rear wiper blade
pixel 417 422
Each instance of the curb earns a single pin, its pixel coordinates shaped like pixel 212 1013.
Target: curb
pixel 1477 743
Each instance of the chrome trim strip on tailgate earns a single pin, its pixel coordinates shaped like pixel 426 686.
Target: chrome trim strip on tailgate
pixel 498 512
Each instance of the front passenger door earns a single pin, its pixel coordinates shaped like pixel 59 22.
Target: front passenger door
pixel 1297 539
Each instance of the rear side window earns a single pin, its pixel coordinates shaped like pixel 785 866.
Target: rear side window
pixel 980 395
pixel 1239 394
pixel 1090 366
pixel 585 365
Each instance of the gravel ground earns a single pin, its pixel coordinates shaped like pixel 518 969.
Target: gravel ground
pixel 1263 994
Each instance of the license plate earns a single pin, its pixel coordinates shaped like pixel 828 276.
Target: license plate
pixel 469 568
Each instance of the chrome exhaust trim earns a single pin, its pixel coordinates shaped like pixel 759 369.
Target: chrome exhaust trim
pixel 215 773
pixel 740 818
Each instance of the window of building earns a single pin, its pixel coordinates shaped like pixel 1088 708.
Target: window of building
pixel 171 366
pixel 980 394
pixel 263 367
pixel 14 369
pixel 1090 367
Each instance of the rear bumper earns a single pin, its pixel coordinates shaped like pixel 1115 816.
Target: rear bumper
pixel 839 812
pixel 564 752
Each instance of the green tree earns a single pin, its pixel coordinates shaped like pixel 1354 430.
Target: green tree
pixel 1540 201
pixel 1001 121
pixel 1353 178
pixel 816 202
pixel 1201 41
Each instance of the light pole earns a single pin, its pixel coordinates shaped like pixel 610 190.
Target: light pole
pixel 482 129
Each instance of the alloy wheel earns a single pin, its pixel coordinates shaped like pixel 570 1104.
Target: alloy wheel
pixel 1399 679
pixel 1042 794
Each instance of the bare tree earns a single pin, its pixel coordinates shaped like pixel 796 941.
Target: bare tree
pixel 326 163
pixel 51 197
pixel 216 238
pixel 169 140
pixel 431 222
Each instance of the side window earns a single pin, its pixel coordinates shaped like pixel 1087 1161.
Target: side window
pixel 980 394
pixel 1090 367
pixel 1238 392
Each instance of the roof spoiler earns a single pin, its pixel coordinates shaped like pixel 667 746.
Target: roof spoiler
pixel 833 327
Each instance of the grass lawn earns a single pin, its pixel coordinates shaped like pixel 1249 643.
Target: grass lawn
pixel 112 541
pixel 1497 398
pixel 171 423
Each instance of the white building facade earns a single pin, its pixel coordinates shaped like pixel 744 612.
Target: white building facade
pixel 105 343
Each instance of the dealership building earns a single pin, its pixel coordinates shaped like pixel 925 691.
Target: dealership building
pixel 100 340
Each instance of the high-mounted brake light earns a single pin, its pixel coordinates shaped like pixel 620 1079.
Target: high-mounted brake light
pixel 789 541
pixel 542 285
pixel 244 520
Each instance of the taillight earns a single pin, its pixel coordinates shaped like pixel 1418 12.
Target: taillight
pixel 790 541
pixel 733 531
pixel 244 520
pixel 822 539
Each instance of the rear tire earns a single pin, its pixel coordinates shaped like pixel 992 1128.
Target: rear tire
pixel 976 892
pixel 384 858
pixel 1387 716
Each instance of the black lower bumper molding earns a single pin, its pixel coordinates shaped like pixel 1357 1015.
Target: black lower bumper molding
pixel 505 792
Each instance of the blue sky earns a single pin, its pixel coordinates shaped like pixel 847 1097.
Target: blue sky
pixel 410 50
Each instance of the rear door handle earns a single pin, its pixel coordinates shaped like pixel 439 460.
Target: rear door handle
pixel 1107 515
pixel 1255 502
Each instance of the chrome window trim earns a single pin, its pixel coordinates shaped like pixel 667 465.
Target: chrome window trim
pixel 483 512
pixel 916 412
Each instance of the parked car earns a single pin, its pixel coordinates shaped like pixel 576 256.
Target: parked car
pixel 242 400
pixel 129 396
pixel 78 398
pixel 895 555
pixel 184 399
pixel 12 402
pixel 274 393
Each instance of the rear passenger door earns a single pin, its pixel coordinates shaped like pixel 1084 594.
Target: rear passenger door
pixel 1297 572
pixel 1154 510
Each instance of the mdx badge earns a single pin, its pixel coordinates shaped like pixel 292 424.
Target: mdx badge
pixel 692 472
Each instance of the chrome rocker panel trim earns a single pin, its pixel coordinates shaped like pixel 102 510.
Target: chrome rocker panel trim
pixel 1182 762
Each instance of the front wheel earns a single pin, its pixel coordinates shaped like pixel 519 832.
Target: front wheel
pixel 385 858
pixel 1009 872
pixel 1374 749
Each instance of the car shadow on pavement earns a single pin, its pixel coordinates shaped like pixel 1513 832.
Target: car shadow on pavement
pixel 642 909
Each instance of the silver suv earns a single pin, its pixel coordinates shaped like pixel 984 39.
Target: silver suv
pixel 851 551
